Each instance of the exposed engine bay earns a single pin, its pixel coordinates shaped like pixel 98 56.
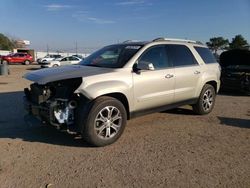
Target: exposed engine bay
pixel 54 102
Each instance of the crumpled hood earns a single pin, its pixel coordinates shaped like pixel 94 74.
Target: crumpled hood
pixel 47 75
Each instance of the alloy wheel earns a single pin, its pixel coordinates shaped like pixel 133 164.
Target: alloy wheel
pixel 108 122
pixel 207 100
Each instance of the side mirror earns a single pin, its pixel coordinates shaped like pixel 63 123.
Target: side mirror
pixel 144 65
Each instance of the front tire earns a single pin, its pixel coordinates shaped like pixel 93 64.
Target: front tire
pixel 105 121
pixel 206 101
pixel 26 62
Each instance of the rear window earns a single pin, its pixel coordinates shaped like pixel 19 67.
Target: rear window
pixel 206 55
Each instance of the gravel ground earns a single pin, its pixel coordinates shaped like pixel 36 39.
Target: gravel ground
pixel 175 148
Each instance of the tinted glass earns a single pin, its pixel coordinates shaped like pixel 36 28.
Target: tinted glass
pixel 157 56
pixel 206 55
pixel 65 59
pixel 73 58
pixel 115 56
pixel 180 55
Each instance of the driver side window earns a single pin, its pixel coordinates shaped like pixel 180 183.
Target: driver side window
pixel 65 59
pixel 157 56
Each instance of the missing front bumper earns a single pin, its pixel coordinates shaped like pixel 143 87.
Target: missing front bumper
pixel 58 113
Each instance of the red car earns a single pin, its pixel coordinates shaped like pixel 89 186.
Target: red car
pixel 23 58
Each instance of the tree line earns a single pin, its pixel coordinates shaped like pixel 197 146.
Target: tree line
pixel 5 43
pixel 9 44
pixel 220 43
pixel 215 43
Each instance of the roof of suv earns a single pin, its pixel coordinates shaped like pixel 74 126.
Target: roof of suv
pixel 165 40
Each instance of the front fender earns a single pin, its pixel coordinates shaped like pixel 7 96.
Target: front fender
pixel 95 90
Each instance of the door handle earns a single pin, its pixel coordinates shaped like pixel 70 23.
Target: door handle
pixel 169 76
pixel 197 72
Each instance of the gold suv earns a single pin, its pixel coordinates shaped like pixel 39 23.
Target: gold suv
pixel 118 82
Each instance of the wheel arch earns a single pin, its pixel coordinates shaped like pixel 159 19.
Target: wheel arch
pixel 4 60
pixel 214 84
pixel 122 98
pixel 26 61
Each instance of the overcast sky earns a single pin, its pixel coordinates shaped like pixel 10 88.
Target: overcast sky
pixel 95 23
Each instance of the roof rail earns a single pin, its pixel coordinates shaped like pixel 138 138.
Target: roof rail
pixel 127 41
pixel 176 40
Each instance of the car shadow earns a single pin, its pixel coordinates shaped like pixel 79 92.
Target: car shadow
pixel 232 93
pixel 235 122
pixel 181 111
pixel 34 68
pixel 13 126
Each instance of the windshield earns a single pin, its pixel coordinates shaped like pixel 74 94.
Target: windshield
pixel 114 56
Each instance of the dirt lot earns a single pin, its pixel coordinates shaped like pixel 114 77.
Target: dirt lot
pixel 169 149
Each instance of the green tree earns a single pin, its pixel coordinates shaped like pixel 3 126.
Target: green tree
pixel 5 43
pixel 239 42
pixel 217 43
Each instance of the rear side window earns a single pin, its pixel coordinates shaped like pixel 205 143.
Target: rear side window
pixel 206 55
pixel 180 55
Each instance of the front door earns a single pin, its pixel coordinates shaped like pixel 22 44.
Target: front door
pixel 16 58
pixel 154 88
pixel 64 61
pixel 73 60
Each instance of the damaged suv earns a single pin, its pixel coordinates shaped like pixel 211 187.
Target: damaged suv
pixel 235 73
pixel 122 81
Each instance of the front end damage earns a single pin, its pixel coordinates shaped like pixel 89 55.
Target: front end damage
pixel 54 103
pixel 234 79
pixel 235 74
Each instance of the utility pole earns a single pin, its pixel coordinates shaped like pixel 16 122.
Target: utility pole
pixel 76 48
pixel 47 49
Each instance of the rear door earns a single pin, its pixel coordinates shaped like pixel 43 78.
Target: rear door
pixel 154 88
pixel 73 60
pixel 187 72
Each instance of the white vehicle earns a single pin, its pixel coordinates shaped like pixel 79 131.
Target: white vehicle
pixel 71 60
pixel 49 57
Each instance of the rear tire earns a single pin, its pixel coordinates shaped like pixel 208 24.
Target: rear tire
pixel 206 101
pixel 5 62
pixel 104 122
